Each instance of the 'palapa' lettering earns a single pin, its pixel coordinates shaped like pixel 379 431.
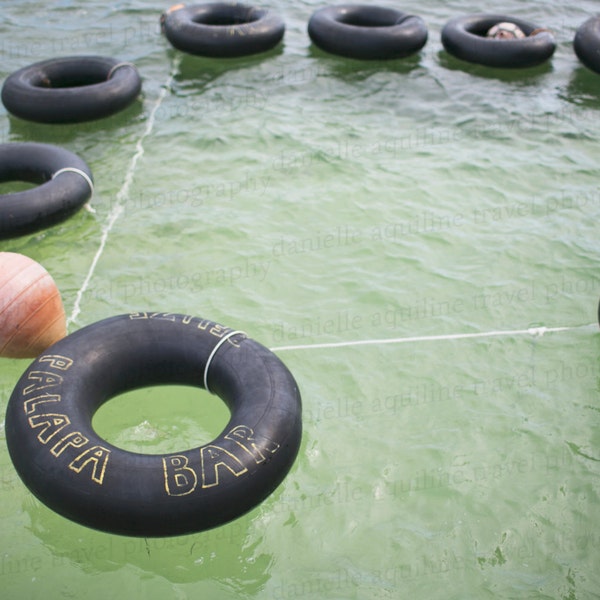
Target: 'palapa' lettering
pixel 30 406
pixel 62 363
pixel 43 380
pixel 50 425
pixel 74 439
pixel 97 457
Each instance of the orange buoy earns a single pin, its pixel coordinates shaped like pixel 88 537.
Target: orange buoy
pixel 32 316
pixel 175 7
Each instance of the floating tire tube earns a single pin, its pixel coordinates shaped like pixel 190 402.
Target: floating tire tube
pixel 223 30
pixel 81 476
pixel 587 44
pixel 65 184
pixel 71 89
pixel 465 38
pixel 366 32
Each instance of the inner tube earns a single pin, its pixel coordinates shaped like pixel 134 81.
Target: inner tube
pixel 71 89
pixel 587 44
pixel 222 30
pixel 65 184
pixel 464 37
pixel 81 476
pixel 366 32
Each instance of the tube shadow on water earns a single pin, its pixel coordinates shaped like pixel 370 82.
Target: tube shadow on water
pixel 524 76
pixel 584 88
pixel 353 69
pixel 205 69
pixel 227 556
pixel 66 133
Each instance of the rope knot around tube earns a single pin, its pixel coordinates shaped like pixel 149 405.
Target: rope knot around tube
pixel 53 199
pixel 79 172
pixel 71 89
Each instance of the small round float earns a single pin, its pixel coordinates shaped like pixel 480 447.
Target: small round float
pixel 366 32
pixel 587 44
pixel 81 476
pixel 32 316
pixel 71 89
pixel 467 38
pixel 65 184
pixel 222 30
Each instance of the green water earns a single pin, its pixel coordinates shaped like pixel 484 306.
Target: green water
pixel 308 199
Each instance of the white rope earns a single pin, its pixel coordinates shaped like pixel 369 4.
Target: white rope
pixel 214 351
pixel 534 331
pixel 79 172
pixel 123 193
pixel 118 66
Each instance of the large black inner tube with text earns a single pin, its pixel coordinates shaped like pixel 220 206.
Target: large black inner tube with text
pixel 465 38
pixel 71 89
pixel 65 184
pixel 81 476
pixel 366 32
pixel 223 30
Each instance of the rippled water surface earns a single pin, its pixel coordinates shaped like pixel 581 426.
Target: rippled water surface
pixel 309 200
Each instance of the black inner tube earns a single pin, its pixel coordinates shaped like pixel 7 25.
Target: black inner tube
pixel 71 89
pixel 367 32
pixel 465 38
pixel 77 473
pixel 36 199
pixel 222 30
